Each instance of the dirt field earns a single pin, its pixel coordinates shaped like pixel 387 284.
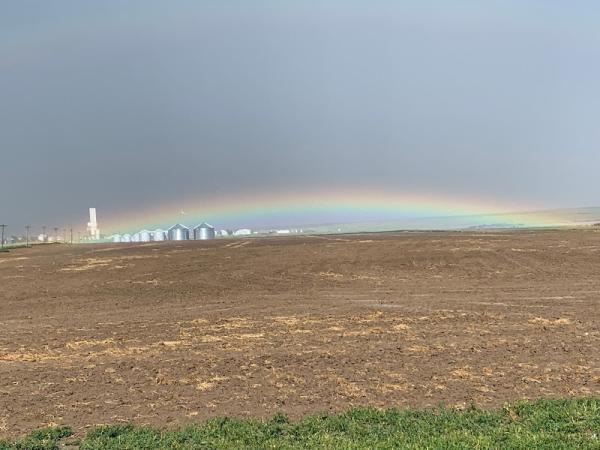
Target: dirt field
pixel 169 333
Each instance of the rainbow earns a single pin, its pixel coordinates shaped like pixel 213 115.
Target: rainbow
pixel 319 207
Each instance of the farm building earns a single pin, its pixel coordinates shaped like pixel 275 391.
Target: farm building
pixel 204 232
pixel 179 232
pixel 145 236
pixel 159 235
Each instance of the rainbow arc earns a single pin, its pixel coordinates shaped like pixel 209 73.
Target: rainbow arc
pixel 348 206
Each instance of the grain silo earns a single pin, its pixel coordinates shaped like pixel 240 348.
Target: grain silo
pixel 179 233
pixel 135 237
pixel 204 232
pixel 159 235
pixel 116 238
pixel 145 236
pixel 126 238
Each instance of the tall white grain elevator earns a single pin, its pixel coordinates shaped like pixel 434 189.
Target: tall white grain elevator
pixel 92 226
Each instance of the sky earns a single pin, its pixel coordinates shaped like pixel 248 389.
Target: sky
pixel 131 105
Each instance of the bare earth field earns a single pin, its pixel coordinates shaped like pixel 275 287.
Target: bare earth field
pixel 171 333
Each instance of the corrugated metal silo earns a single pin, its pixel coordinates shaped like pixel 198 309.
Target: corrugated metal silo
pixel 126 238
pixel 204 232
pixel 135 237
pixel 145 236
pixel 159 235
pixel 116 238
pixel 179 233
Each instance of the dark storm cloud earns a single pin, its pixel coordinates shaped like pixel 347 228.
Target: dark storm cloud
pixel 122 104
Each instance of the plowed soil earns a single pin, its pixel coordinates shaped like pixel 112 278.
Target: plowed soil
pixel 170 333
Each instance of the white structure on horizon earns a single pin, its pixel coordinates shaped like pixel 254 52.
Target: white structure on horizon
pixel 159 235
pixel 92 226
pixel 242 232
pixel 145 236
pixel 178 232
pixel 204 232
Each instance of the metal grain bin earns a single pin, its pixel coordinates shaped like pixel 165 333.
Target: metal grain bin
pixel 204 232
pixel 145 236
pixel 116 238
pixel 135 237
pixel 179 233
pixel 159 235
pixel 126 238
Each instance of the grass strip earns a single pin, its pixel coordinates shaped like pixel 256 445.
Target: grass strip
pixel 543 424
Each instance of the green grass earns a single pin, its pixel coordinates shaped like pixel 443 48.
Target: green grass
pixel 544 424
pixel 44 439
pixel 9 247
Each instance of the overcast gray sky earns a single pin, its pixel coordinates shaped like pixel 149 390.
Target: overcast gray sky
pixel 119 104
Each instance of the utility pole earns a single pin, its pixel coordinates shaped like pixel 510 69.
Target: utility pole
pixel 27 227
pixel 2 241
pixel 71 231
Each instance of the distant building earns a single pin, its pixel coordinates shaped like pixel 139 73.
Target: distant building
pixel 145 236
pixel 179 232
pixel 242 232
pixel 92 226
pixel 159 235
pixel 204 232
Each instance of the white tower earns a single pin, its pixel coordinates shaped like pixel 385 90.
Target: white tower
pixel 92 226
